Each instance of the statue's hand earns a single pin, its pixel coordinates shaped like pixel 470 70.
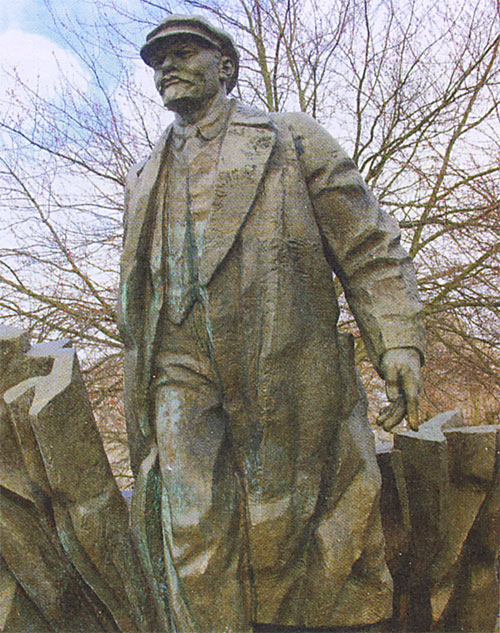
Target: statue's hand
pixel 401 369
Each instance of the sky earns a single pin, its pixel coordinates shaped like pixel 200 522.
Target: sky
pixel 25 15
pixel 30 47
pixel 32 17
pixel 33 48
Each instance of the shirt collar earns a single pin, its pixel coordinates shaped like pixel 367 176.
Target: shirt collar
pixel 208 127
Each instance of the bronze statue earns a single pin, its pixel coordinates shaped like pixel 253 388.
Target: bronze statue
pixel 257 489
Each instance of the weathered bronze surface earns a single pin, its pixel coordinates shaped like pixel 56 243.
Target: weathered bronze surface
pixel 256 503
pixel 257 488
pixel 440 512
pixel 67 563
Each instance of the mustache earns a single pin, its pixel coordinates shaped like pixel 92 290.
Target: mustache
pixel 164 82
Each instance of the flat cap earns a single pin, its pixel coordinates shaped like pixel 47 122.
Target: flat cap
pixel 191 25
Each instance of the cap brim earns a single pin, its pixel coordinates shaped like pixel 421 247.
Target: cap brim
pixel 161 38
pixel 151 47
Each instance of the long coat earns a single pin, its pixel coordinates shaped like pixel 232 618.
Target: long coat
pixel 289 207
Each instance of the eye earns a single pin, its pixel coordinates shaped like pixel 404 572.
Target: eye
pixel 184 52
pixel 157 59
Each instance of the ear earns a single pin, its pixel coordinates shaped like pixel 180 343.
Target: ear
pixel 226 69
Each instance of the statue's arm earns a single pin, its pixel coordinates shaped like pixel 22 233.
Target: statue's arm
pixel 135 438
pixel 362 245
pixel 130 184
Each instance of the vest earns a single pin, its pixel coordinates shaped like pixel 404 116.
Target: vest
pixel 191 175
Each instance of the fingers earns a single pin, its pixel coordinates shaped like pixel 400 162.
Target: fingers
pixel 402 373
pixel 392 382
pixel 411 386
pixel 412 415
pixel 391 416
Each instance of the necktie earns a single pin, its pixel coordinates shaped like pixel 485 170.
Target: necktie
pixel 183 255
pixel 185 140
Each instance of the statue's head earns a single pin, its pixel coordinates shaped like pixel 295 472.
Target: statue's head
pixel 192 60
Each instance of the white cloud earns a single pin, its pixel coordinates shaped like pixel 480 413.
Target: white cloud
pixel 39 63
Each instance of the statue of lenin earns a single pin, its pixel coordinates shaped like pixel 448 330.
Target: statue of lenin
pixel 257 488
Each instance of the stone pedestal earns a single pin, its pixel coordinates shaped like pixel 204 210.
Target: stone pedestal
pixel 440 510
pixel 66 562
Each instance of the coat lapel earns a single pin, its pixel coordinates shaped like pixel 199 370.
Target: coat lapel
pixel 245 151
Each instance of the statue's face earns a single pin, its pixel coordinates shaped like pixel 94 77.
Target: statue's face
pixel 187 72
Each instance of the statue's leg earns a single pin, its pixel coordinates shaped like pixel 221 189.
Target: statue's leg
pixel 202 522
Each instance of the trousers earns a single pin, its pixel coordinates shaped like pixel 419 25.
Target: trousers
pixel 203 508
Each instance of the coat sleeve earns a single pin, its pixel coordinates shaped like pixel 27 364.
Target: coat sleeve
pixel 361 244
pixel 130 183
pixel 138 443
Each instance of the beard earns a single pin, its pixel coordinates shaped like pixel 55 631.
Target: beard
pixel 185 97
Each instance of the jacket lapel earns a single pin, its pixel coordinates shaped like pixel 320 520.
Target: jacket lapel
pixel 245 151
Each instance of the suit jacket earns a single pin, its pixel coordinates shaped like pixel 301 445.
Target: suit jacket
pixel 289 206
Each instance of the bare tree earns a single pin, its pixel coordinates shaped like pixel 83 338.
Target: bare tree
pixel 410 89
